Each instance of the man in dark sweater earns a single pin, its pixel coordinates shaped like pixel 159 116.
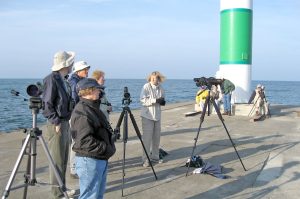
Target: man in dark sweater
pixel 227 87
pixel 58 108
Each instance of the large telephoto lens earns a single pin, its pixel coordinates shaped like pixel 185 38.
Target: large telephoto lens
pixel 34 90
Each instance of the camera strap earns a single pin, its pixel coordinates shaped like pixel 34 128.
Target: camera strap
pixel 198 94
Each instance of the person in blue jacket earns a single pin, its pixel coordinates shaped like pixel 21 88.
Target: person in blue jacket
pixel 58 106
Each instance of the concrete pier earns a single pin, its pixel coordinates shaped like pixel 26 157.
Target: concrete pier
pixel 269 150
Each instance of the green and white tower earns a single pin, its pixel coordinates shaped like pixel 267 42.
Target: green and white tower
pixel 236 46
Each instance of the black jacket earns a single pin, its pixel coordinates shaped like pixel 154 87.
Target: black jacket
pixel 91 131
pixel 74 79
pixel 58 103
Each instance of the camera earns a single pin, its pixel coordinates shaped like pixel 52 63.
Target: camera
pixel 126 97
pixel 203 81
pixel 115 135
pixel 35 90
pixel 126 93
pixel 102 92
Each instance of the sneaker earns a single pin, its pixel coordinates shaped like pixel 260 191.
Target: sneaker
pixel 74 176
pixel 63 197
pixel 71 192
pixel 158 161
pixel 146 164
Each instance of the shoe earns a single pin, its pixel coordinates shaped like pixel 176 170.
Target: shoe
pixel 225 113
pixel 63 197
pixel 160 161
pixel 229 114
pixel 146 164
pixel 74 176
pixel 71 192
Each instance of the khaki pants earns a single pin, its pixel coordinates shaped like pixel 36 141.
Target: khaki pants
pixel 151 138
pixel 58 144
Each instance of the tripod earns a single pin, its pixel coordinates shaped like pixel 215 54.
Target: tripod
pixel 124 115
pixel 30 140
pixel 212 100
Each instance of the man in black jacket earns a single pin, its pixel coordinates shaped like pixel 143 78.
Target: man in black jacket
pixel 93 140
pixel 58 108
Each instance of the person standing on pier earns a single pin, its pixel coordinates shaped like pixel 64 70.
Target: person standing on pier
pixel 152 98
pixel 80 71
pixel 58 106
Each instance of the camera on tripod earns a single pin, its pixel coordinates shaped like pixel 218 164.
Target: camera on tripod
pixel 126 97
pixel 203 81
pixel 34 91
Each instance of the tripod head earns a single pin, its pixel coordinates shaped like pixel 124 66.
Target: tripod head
pixel 126 98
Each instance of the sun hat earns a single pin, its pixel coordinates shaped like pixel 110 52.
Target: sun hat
pixel 63 59
pixel 80 65
pixel 87 83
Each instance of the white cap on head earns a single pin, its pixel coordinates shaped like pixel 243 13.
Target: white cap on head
pixel 62 59
pixel 258 86
pixel 80 65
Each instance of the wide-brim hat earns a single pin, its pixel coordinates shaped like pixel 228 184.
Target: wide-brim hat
pixel 86 83
pixel 80 65
pixel 63 59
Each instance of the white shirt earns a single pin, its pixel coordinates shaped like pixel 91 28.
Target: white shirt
pixel 150 109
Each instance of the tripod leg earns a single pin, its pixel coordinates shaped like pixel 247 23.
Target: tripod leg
pixel 120 120
pixel 27 174
pixel 251 111
pixel 222 120
pixel 61 184
pixel 125 137
pixel 138 133
pixel 16 167
pixel 196 138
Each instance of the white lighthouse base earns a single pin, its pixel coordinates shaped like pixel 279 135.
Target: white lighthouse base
pixel 240 75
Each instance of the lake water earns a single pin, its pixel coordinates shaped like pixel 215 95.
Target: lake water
pixel 15 112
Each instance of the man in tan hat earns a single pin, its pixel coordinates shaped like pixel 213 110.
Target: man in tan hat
pixel 259 99
pixel 58 108
pixel 80 71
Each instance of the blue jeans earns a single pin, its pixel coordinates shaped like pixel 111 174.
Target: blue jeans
pixel 227 102
pixel 92 177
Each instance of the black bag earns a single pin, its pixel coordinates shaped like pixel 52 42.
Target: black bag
pixel 195 162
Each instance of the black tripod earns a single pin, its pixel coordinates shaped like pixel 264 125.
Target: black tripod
pixel 32 136
pixel 207 101
pixel 124 115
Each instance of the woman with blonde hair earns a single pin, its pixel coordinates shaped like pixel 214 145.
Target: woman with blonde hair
pixel 105 106
pixel 152 98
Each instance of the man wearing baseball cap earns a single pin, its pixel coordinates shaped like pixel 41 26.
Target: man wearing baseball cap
pixel 93 140
pixel 58 106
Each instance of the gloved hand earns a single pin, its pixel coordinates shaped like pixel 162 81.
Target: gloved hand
pixel 161 101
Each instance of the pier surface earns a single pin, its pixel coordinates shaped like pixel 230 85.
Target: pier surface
pixel 269 150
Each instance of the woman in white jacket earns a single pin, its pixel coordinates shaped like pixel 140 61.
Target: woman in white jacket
pixel 152 98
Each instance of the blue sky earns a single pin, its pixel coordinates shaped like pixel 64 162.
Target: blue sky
pixel 131 38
